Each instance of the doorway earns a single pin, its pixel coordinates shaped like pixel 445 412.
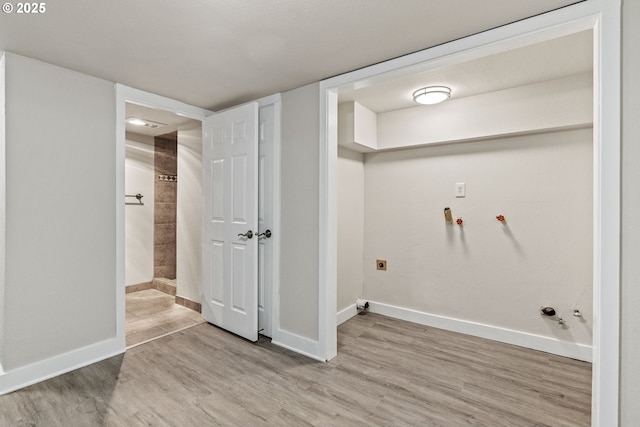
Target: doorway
pixel 602 19
pixel 162 227
pixel 407 160
pixel 269 185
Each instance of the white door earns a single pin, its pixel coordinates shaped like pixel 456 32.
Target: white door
pixel 230 185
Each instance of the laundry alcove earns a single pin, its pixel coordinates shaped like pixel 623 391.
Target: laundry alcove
pixel 522 145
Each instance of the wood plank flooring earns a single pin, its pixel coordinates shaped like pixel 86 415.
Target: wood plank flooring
pixel 387 373
pixel 151 314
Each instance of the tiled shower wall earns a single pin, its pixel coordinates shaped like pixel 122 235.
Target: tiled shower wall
pixel 164 233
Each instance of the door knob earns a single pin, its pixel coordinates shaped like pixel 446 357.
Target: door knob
pixel 248 234
pixel 266 234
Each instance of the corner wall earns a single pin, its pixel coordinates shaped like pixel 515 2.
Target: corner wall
pixel 299 285
pixel 60 288
pixel 351 214
pixel 630 268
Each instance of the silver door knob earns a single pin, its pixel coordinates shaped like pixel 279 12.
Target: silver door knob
pixel 266 234
pixel 248 234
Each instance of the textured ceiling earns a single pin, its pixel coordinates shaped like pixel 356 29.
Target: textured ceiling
pixel 217 53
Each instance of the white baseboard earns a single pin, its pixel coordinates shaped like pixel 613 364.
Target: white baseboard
pixel 297 343
pixel 24 376
pixel 346 314
pixel 509 336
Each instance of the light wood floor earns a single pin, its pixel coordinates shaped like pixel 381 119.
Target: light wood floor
pixel 387 373
pixel 151 314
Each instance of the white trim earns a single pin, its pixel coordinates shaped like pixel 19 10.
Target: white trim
pixel 297 344
pixel 509 336
pixel 603 16
pixel 39 371
pixel 150 100
pixel 328 223
pixel 346 314
pixel 276 98
pixel 605 403
pixel 530 31
pixel 124 95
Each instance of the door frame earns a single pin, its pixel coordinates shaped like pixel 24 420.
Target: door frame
pixel 274 292
pixel 601 16
pixel 126 94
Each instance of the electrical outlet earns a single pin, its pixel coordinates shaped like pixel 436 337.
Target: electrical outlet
pixel 381 264
pixel 461 189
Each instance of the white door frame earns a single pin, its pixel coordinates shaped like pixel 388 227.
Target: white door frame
pixel 603 17
pixel 126 94
pixel 272 287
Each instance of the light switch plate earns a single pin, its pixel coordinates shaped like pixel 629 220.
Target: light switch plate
pixel 461 189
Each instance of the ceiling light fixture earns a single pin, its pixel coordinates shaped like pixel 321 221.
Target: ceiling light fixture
pixel 144 122
pixel 431 95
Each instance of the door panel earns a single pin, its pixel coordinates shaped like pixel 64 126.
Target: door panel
pixel 230 273
pixel 217 269
pixel 217 201
pixel 239 190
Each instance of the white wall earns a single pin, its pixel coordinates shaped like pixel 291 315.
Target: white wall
pixel 561 103
pixel 630 268
pixel 357 127
pixel 485 272
pixel 350 226
pixel 2 206
pixel 139 176
pixel 60 218
pixel 299 212
pixel 189 213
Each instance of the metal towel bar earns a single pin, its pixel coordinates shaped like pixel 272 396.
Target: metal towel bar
pixel 137 196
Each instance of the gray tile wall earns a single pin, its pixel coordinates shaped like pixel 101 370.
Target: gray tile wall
pixel 164 233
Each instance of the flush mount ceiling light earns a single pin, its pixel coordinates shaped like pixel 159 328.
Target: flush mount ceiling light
pixel 144 122
pixel 431 95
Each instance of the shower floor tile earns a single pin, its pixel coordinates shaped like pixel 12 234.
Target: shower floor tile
pixel 151 314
